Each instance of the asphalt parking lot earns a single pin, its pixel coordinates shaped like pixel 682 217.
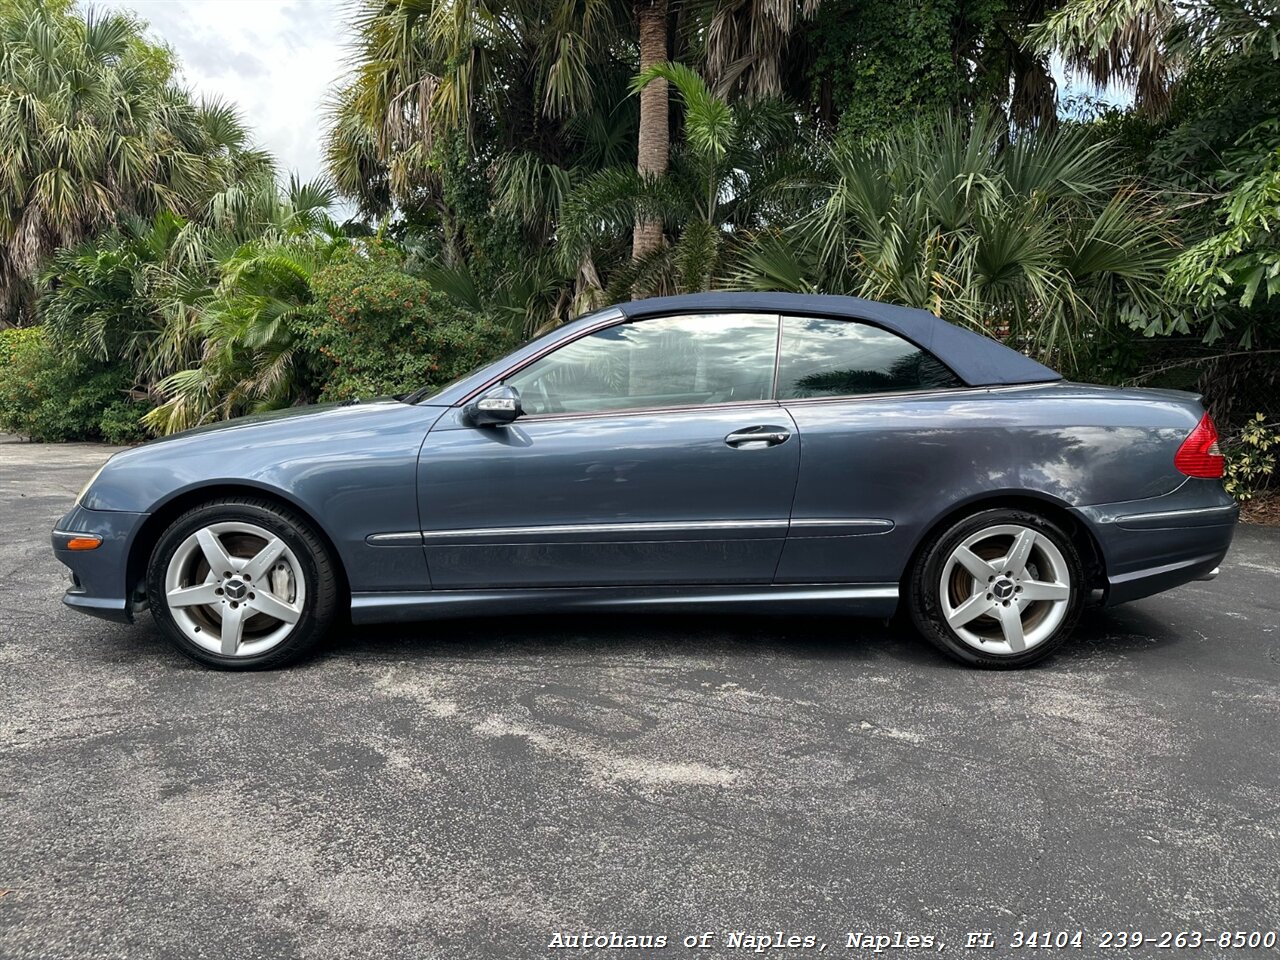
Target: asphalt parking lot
pixel 470 789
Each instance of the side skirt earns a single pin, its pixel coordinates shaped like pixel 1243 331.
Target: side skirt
pixel 863 599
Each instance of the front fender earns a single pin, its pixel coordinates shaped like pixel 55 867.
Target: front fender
pixel 352 470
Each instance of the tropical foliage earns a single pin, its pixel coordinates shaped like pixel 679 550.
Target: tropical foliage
pixel 93 125
pixel 738 168
pixel 514 164
pixel 1241 262
pixel 45 397
pixel 380 330
pixel 1041 240
pixel 874 62
pixel 1251 459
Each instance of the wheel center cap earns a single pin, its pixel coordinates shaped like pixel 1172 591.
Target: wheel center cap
pixel 236 589
pixel 1002 589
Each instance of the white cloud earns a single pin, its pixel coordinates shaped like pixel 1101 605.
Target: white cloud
pixel 276 60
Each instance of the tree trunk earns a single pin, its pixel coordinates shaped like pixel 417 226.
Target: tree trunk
pixel 654 143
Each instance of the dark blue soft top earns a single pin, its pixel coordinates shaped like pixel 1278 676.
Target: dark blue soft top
pixel 977 360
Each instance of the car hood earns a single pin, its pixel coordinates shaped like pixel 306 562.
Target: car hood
pixel 266 450
pixel 315 412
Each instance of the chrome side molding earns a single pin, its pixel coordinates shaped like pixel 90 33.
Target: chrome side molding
pixel 805 527
pixel 411 538
pixel 1192 516
pixel 808 528
pixel 572 528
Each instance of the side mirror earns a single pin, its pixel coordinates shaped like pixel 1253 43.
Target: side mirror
pixel 498 406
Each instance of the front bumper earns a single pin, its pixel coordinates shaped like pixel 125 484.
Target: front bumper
pixel 1153 545
pixel 100 579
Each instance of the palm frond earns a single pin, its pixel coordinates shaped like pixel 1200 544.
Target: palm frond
pixel 710 122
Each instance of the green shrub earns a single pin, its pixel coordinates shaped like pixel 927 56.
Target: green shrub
pixel 23 357
pixel 120 422
pixel 45 396
pixel 17 342
pixel 377 330
pixel 1250 462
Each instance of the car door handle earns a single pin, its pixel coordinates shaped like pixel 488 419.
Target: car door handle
pixel 755 438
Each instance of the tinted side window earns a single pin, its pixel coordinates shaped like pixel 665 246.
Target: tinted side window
pixel 665 362
pixel 839 358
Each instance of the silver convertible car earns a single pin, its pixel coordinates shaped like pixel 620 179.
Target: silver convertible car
pixel 715 452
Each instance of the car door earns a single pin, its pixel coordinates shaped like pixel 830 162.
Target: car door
pixel 868 404
pixel 649 452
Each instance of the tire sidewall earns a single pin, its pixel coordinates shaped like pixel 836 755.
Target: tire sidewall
pixel 317 608
pixel 926 604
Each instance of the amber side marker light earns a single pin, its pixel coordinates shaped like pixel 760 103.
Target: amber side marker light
pixel 84 543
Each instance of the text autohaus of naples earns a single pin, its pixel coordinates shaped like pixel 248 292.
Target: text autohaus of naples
pixel 751 941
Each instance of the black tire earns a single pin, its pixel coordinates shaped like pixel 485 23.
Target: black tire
pixel 322 586
pixel 924 585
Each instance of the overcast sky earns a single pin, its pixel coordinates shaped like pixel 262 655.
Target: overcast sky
pixel 274 59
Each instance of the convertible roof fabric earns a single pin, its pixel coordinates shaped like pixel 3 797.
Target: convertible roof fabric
pixel 977 360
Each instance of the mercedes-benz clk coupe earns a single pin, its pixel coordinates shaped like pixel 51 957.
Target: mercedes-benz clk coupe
pixel 714 452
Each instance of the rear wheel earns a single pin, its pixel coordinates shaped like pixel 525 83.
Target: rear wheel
pixel 1000 588
pixel 242 584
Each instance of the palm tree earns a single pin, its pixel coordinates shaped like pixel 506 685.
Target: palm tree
pixel 472 120
pixel 1041 240
pixel 736 169
pixel 653 143
pixel 506 74
pixel 1145 44
pixel 742 46
pixel 515 77
pixel 95 130
pixel 249 330
pixel 203 312
pixel 1226 147
pixel 124 296
pixel 745 47
pixel 264 245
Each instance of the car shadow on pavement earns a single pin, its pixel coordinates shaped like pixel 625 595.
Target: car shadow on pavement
pixel 1119 631
pixel 1101 634
pixel 649 635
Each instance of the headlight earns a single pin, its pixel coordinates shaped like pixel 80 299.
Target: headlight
pixel 85 488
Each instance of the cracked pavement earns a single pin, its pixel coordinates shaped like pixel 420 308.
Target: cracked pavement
pixel 469 788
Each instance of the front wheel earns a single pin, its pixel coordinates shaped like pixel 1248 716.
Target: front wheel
pixel 241 584
pixel 1000 588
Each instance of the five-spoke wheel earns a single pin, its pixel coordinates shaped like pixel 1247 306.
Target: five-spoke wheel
pixel 999 588
pixel 1005 589
pixel 241 583
pixel 235 589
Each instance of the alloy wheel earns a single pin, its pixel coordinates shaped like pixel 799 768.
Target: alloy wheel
pixel 1005 589
pixel 235 589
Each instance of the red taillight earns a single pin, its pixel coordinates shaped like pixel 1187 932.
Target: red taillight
pixel 1199 455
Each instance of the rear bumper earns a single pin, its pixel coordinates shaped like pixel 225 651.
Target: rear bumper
pixel 1153 545
pixel 99 578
